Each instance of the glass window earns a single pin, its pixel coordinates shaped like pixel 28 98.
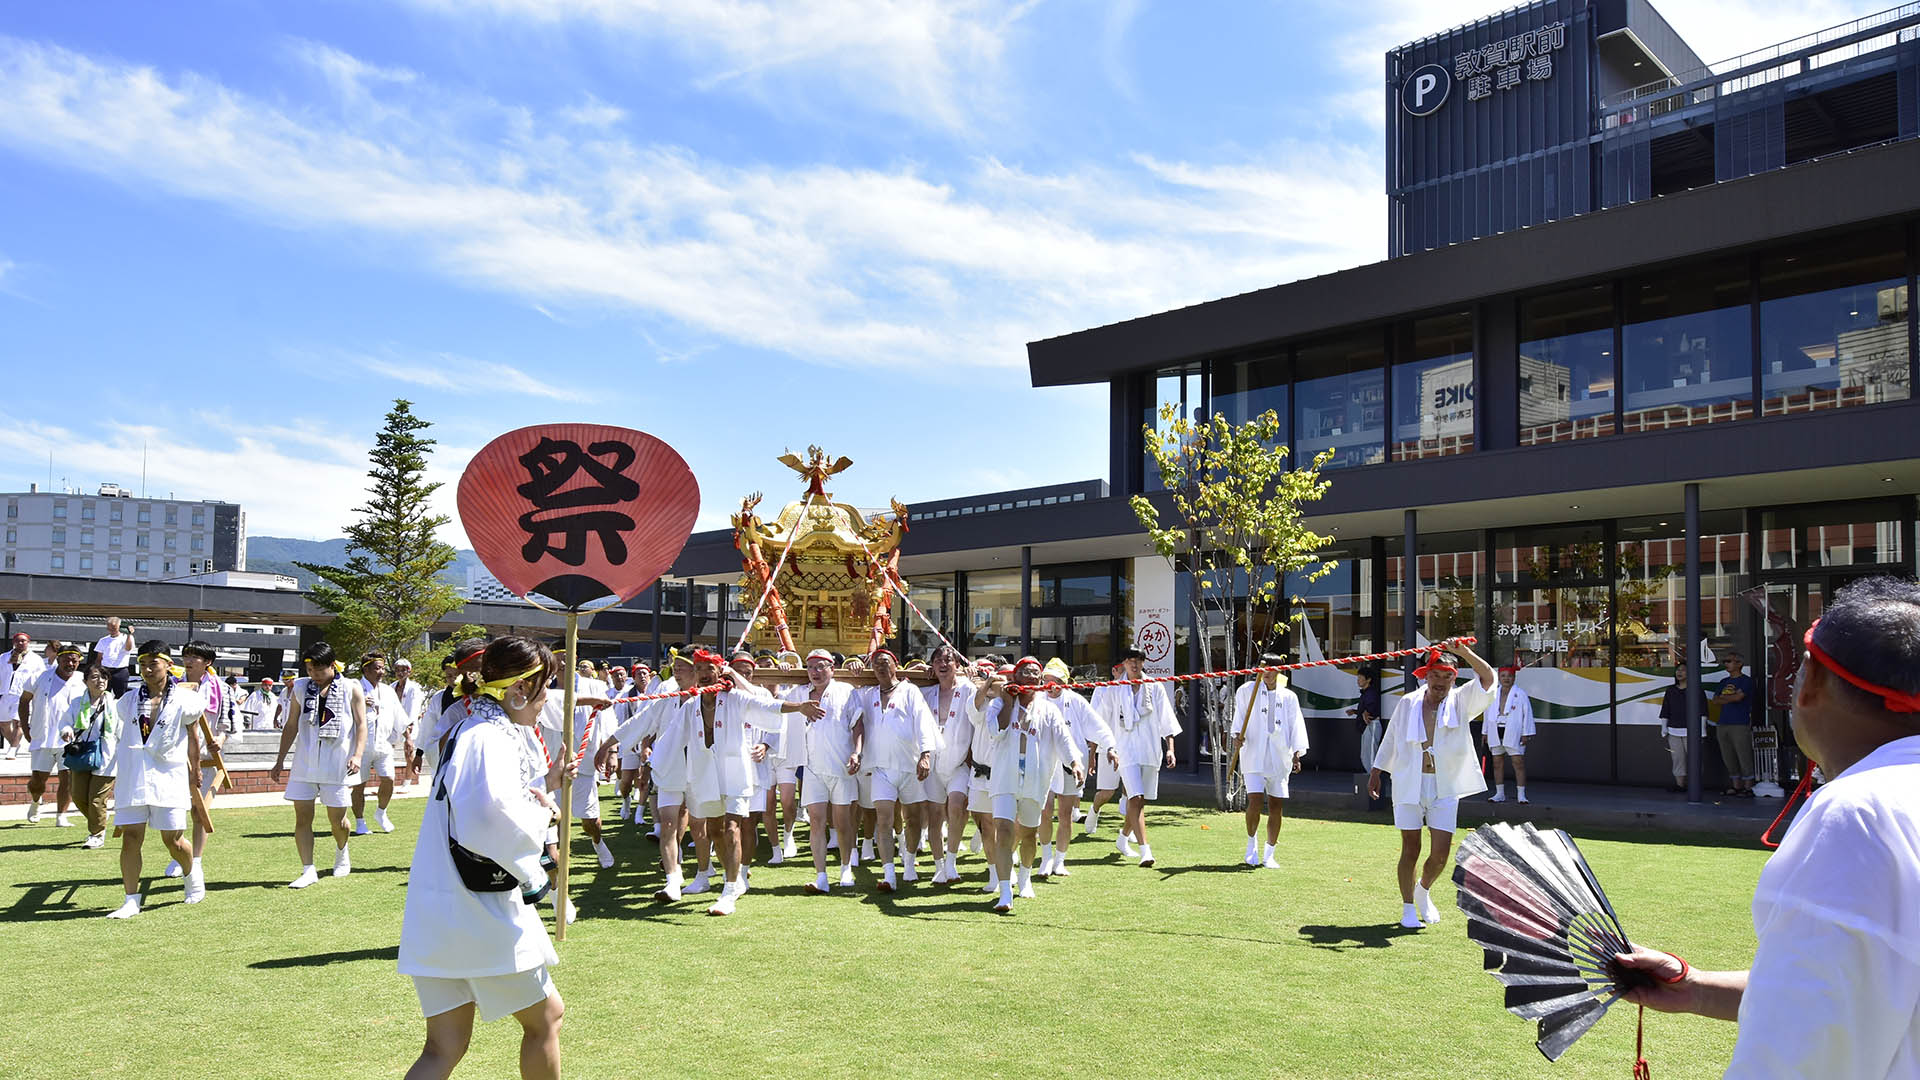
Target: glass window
pixel 59 534
pixel 1243 389
pixel 1340 400
pixel 1566 365
pixel 86 512
pixel 934 597
pixel 1651 584
pixel 113 563
pixel 13 535
pixel 145 515
pixel 140 565
pixel 13 508
pixel 1337 610
pixel 171 542
pixel 141 541
pixel 114 513
pixel 59 511
pixel 1088 585
pixel 199 543
pixel 1181 388
pixel 166 566
pixel 1832 534
pixel 59 562
pixel 173 515
pixel 113 538
pixel 993 613
pixel 86 562
pixel 1562 554
pixel 1450 568
pixel 1433 389
pixel 199 515
pixel 86 536
pixel 1833 325
pixel 10 560
pixel 1689 346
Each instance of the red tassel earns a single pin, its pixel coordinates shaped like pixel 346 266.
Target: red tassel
pixel 1641 1070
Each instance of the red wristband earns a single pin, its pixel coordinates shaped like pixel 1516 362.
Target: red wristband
pixel 1684 970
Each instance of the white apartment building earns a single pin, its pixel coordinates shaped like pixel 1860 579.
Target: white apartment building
pixel 111 534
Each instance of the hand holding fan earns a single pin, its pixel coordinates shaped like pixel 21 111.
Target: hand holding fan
pixel 1549 933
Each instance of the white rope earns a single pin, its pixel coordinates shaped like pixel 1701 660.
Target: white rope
pixel 766 588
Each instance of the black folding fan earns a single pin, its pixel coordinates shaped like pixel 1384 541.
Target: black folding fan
pixel 1549 934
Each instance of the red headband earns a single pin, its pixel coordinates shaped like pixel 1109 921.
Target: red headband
pixel 1435 661
pixel 1510 667
pixel 1897 700
pixel 1024 661
pixel 705 656
pixel 877 653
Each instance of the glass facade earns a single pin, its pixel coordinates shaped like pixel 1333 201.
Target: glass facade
pixel 1833 325
pixel 1688 337
pixel 1566 370
pixel 1433 388
pixel 1340 400
pixel 1243 389
pixel 1182 388
pixel 993 613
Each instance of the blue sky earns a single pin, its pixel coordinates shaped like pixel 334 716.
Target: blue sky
pixel 232 232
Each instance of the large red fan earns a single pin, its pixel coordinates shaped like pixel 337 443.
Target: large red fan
pixel 577 512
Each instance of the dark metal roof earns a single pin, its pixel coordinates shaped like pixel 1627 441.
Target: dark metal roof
pixel 1844 191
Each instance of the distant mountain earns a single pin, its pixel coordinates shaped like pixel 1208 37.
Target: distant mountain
pixel 277 555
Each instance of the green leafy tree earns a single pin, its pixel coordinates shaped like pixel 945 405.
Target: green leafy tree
pixel 389 592
pixel 1236 526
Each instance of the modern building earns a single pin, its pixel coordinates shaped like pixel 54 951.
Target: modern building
pixel 111 534
pixel 1635 305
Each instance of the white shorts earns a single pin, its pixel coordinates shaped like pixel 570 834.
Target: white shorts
pixel 819 789
pixel 1440 815
pixel 1276 786
pixel 376 765
pixel 48 761
pixel 334 795
pixel 1499 751
pixel 979 799
pixel 785 774
pixel 729 806
pixel 1024 811
pixel 938 787
pixel 494 996
pixel 1063 784
pixel 164 818
pixel 667 800
pixel 1141 780
pixel 630 758
pixel 762 774
pixel 586 799
pixel 885 785
pixel 1106 777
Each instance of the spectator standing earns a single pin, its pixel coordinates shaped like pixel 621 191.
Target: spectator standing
pixel 1735 733
pixel 115 651
pixel 1673 714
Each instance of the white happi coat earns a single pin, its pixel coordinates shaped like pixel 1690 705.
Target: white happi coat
pixel 1035 744
pixel 897 732
pixel 955 728
pixel 386 720
pixel 1507 726
pixel 1456 769
pixel 725 769
pixel 320 752
pixel 448 931
pixel 1140 716
pixel 830 738
pixel 1085 723
pixel 153 770
pixel 16 679
pixel 1276 729
pixel 51 696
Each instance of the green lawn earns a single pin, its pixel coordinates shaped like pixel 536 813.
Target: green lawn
pixel 1199 967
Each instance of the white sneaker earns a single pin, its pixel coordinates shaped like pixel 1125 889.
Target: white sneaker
pixel 385 822
pixel 723 904
pixel 33 808
pixel 846 877
pixel 777 856
pixel 66 820
pixel 1060 866
pixel 1521 798
pixel 1025 878
pixel 196 886
pixel 1092 824
pixel 95 840
pixel 1124 846
pixel 1424 901
pixel 699 883
pixel 1270 863
pixel 342 863
pixel 973 844
pixel 307 877
pixel 1004 905
pixel 1499 796
pixel 887 882
pixel 1146 854
pixel 173 868
pixel 866 849
pixel 606 855
pixel 1410 917
pixel 1253 852
pixel 128 908
pixel 360 827
pixel 624 809
pixel 939 872
pixel 821 886
pixel 993 880
pixel 788 848
pixel 912 872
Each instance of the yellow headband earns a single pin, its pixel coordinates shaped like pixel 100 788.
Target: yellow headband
pixel 497 689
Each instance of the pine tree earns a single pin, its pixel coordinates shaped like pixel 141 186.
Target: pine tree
pixel 389 592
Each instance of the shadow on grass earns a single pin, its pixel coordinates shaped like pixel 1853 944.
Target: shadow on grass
pixel 1104 931
pixel 1344 938
pixel 389 954
pixel 1202 868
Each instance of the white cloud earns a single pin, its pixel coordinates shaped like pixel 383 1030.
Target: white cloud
pixel 464 375
pixel 926 60
pixel 832 264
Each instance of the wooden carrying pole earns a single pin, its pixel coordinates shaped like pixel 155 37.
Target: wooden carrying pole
pixel 1245 719
pixel 568 680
